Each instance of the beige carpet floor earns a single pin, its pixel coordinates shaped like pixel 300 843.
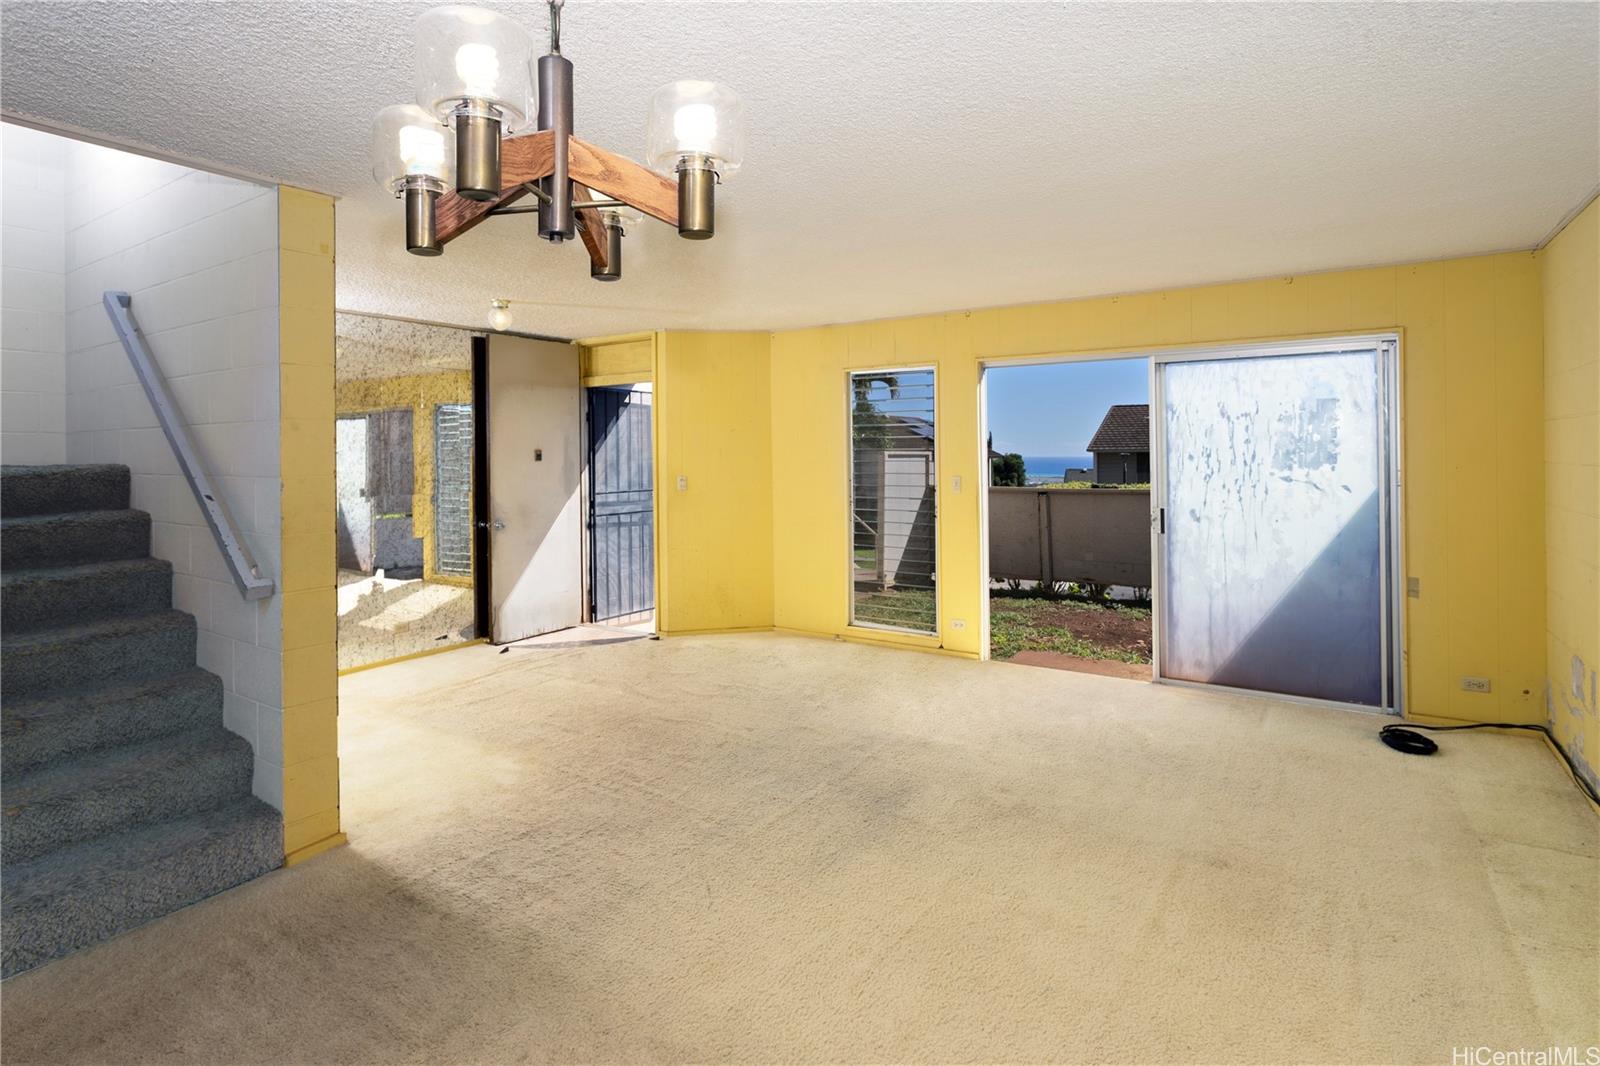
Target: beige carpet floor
pixel 762 848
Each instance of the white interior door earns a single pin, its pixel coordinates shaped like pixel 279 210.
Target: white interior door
pixel 1276 537
pixel 535 457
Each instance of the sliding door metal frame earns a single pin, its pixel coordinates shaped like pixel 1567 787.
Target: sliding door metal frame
pixel 1392 614
pixel 850 374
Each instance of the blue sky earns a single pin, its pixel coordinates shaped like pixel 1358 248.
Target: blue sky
pixel 1054 410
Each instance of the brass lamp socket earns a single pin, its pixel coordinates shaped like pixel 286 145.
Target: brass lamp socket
pixel 697 190
pixel 422 234
pixel 612 271
pixel 477 151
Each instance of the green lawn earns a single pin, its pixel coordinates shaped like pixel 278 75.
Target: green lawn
pixel 1026 621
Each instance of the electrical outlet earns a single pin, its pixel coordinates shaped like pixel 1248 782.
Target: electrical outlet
pixel 1414 587
pixel 683 482
pixel 1475 684
pixel 958 623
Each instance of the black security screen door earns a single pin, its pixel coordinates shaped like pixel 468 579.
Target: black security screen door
pixel 622 576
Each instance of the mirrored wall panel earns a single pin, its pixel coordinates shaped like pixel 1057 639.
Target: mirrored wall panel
pixel 403 475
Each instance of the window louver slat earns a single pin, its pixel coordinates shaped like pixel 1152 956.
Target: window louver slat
pixel 892 495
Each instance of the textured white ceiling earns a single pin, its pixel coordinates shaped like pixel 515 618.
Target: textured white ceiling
pixel 902 157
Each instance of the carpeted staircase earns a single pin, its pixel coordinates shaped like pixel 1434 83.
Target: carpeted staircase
pixel 122 797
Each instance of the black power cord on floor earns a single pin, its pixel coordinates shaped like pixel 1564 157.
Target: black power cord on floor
pixel 1402 738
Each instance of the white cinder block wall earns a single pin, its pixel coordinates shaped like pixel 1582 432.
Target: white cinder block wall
pixel 199 253
pixel 33 411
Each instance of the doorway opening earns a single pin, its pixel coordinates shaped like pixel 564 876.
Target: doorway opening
pixel 1267 484
pixel 565 522
pixel 1068 515
pixel 620 542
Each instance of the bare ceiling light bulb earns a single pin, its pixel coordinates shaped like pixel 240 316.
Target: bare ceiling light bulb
pixel 500 314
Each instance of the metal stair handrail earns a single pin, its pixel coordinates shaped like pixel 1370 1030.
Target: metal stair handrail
pixel 253 585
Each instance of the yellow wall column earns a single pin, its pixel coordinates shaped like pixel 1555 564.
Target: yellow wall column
pixel 310 610
pixel 1570 267
pixel 713 426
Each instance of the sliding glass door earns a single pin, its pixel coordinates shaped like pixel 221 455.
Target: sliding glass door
pixel 1275 522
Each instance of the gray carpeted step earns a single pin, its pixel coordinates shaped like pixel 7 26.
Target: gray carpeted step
pixel 78 896
pixel 63 595
pixel 64 725
pixel 73 539
pixel 26 490
pixel 70 802
pixel 97 653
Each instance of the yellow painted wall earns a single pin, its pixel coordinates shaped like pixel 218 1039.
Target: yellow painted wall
pixel 1473 416
pixel 306 457
pixel 1570 266
pixel 421 393
pixel 714 428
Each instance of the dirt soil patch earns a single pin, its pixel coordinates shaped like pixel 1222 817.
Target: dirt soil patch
pixel 1088 629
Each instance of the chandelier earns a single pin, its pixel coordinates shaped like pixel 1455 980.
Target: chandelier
pixel 476 76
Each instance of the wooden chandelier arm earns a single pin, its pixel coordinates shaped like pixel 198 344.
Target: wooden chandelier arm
pixel 591 228
pixel 621 178
pixel 525 158
pixel 531 156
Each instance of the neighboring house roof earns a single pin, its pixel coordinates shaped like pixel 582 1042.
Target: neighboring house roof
pixel 911 424
pixel 1125 428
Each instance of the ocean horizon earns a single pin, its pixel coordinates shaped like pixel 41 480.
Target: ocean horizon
pixel 1055 464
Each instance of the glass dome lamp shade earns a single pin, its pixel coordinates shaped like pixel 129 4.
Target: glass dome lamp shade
pixel 690 119
pixel 411 158
pixel 499 314
pixel 473 60
pixel 473 72
pixel 409 147
pixel 622 216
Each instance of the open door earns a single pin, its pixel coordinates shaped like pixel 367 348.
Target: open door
pixel 535 454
